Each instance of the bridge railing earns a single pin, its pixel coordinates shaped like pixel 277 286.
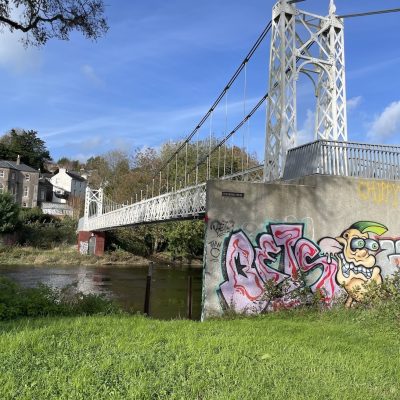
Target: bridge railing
pixel 186 203
pixel 343 159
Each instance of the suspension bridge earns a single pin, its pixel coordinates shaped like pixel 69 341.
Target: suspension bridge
pixel 300 43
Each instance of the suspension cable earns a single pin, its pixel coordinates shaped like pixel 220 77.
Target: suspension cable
pixel 244 113
pixel 365 14
pixel 241 123
pixel 226 88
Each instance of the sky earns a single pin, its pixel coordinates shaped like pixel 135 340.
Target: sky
pixel 162 63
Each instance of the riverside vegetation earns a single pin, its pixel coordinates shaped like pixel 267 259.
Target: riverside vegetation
pixel 125 177
pixel 41 239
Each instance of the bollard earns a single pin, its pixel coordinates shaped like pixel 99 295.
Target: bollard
pixel 148 289
pixel 189 298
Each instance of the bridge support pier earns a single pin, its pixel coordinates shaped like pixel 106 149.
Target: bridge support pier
pixel 91 242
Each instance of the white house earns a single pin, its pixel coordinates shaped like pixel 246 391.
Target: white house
pixel 67 185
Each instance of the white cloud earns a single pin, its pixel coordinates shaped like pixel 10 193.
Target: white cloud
pixel 353 103
pixel 89 72
pixel 306 133
pixel 387 123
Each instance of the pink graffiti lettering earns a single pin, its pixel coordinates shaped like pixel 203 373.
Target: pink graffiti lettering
pixel 279 256
pixel 286 236
pixel 266 254
pixel 244 288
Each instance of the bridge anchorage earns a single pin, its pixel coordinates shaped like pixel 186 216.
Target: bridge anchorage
pixel 300 43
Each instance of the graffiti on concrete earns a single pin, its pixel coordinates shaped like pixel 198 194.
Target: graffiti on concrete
pixel 356 252
pixel 221 227
pixel 83 247
pixel 379 192
pixel 283 253
pixel 215 248
pixel 389 254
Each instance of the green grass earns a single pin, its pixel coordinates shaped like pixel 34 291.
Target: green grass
pixel 336 355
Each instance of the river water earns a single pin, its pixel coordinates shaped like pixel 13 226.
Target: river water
pixel 125 284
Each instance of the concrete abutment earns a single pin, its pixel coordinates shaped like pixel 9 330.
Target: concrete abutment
pixel 339 232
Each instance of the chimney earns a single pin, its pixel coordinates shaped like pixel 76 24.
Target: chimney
pixel 18 160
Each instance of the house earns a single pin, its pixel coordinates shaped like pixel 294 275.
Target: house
pixel 21 181
pixel 45 190
pixel 67 186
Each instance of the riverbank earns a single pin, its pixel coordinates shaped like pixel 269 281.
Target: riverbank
pixel 68 255
pixel 339 355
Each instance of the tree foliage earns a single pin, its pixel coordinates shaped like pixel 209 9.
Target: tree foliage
pixel 186 238
pixel 46 19
pixel 32 149
pixel 72 165
pixel 9 211
pixel 128 178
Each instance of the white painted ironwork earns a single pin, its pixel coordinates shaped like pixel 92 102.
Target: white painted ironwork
pixel 183 204
pixel 254 174
pixel 93 202
pixel 188 203
pixel 359 160
pixel 302 42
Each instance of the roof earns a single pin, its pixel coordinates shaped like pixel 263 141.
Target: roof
pixel 75 175
pixel 19 167
pixel 45 181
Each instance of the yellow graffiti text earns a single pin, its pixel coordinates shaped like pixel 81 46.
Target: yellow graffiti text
pixel 379 192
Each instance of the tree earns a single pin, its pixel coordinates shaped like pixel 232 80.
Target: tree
pixel 46 19
pixel 9 211
pixel 186 238
pixel 32 149
pixel 72 165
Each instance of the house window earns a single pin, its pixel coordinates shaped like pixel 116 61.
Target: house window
pixel 1 188
pixel 24 205
pixel 42 195
pixel 1 173
pixel 13 175
pixel 27 177
pixel 26 191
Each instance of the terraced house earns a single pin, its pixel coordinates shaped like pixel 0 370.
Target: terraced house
pixel 21 181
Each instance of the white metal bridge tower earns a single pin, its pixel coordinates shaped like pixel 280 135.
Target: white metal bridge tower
pixel 302 42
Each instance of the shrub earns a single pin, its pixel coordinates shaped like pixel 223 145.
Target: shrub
pixel 16 301
pixel 48 235
pixel 385 298
pixel 8 213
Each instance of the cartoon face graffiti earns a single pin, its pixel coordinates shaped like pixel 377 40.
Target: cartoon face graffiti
pixel 355 252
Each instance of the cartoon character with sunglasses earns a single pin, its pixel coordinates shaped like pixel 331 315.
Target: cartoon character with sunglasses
pixel 355 253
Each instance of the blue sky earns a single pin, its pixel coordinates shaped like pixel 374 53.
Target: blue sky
pixel 161 65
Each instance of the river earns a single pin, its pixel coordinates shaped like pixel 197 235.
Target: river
pixel 125 284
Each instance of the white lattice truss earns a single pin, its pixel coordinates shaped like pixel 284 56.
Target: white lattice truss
pixel 302 42
pixel 188 203
pixel 183 204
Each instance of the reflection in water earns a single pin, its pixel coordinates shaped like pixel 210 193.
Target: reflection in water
pixel 124 284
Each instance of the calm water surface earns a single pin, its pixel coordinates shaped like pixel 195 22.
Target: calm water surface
pixel 124 284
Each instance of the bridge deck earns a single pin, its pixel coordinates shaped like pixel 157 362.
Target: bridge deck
pixel 188 203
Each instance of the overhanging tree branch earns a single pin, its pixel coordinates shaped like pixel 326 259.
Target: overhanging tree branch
pixel 42 20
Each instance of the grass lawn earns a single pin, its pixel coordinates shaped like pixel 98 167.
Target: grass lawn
pixel 339 355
